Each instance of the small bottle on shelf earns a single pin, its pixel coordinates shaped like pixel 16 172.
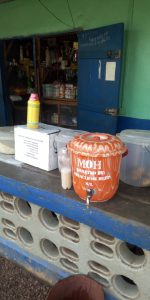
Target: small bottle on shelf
pixel 21 53
pixel 69 92
pixel 75 52
pixel 62 91
pixel 54 118
pixel 47 57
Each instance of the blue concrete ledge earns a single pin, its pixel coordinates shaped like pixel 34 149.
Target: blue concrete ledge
pixel 126 216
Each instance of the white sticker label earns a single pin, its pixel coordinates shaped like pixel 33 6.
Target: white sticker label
pixel 110 71
pixel 90 170
pixel 89 164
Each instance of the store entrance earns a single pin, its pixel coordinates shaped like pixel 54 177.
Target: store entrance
pixel 77 77
pixel 46 65
pixel 20 76
pixel 57 68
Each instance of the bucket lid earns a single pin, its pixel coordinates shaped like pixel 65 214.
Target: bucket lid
pixel 135 136
pixel 97 144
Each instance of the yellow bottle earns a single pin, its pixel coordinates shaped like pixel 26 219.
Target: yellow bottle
pixel 33 112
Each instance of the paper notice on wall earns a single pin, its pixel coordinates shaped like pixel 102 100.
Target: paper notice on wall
pixel 110 71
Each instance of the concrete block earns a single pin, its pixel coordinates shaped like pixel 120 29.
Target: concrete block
pixel 123 269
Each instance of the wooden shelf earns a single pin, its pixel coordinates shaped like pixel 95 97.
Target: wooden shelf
pixel 53 68
pixel 68 126
pixel 64 125
pixel 64 102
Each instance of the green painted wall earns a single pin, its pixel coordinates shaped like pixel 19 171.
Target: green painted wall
pixel 136 87
pixel 27 17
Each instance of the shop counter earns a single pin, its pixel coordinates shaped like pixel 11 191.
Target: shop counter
pixel 116 226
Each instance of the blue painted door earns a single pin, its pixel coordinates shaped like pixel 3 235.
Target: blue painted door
pixel 100 57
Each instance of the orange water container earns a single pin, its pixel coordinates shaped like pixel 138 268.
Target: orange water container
pixel 96 159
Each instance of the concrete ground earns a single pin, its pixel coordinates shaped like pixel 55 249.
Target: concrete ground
pixel 18 284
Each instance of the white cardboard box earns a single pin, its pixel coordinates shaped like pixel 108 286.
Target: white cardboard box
pixel 36 147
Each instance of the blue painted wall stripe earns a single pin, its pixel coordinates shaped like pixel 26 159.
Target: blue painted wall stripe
pixel 132 123
pixel 46 270
pixel 39 267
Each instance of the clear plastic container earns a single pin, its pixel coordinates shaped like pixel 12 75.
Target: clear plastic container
pixel 47 90
pixel 64 137
pixel 135 167
pixel 64 165
pixel 7 140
